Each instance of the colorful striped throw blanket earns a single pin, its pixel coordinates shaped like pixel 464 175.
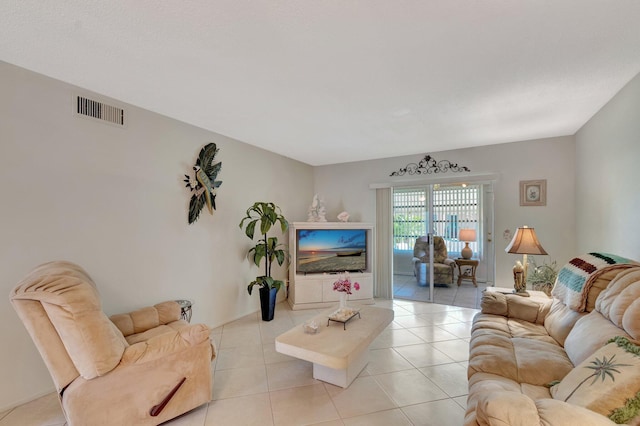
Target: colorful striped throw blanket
pixel 576 277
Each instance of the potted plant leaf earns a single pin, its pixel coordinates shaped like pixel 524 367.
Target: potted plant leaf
pixel 260 218
pixel 542 277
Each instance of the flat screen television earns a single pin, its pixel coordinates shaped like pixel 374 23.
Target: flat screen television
pixel 331 250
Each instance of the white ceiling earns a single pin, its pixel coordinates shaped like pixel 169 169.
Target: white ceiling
pixel 331 81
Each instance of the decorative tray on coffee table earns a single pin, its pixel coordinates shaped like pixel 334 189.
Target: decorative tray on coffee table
pixel 343 315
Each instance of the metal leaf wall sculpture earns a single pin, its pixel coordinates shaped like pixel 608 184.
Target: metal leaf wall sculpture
pixel 203 183
pixel 429 165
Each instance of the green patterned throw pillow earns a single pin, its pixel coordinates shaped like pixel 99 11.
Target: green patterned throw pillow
pixel 607 382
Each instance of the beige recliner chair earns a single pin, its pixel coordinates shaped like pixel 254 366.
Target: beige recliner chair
pixel 142 368
pixel 442 266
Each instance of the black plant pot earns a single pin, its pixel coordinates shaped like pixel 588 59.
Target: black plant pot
pixel 268 302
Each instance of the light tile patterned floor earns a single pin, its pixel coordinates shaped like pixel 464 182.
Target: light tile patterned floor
pixel 416 376
pixel 405 287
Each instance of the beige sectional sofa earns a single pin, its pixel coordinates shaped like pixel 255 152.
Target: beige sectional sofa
pixel 571 359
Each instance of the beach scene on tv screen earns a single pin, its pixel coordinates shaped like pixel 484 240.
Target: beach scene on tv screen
pixel 331 250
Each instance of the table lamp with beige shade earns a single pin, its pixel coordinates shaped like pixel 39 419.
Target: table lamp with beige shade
pixel 524 242
pixel 467 235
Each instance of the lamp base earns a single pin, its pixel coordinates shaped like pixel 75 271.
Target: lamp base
pixel 466 252
pixel 519 281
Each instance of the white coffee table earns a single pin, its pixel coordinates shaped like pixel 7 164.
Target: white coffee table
pixel 338 355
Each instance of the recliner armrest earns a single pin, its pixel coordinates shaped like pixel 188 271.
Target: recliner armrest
pixel 146 318
pixel 449 262
pixel 164 344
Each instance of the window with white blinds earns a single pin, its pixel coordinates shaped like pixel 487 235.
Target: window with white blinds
pixel 409 217
pixel 454 207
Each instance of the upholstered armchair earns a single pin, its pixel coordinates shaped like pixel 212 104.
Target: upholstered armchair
pixel 443 267
pixel 141 368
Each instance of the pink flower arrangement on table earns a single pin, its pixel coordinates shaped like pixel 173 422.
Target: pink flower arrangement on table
pixel 344 284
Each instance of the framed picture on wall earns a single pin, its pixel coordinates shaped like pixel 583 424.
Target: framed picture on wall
pixel 533 192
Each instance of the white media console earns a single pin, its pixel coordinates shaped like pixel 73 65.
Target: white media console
pixel 315 290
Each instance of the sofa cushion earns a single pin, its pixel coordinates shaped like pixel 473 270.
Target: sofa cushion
pixel 616 311
pixel 509 327
pixel 485 383
pixel 599 284
pixel 510 408
pixel 620 302
pixel 605 380
pixel 560 321
pixel 590 333
pixel 514 306
pixel 517 358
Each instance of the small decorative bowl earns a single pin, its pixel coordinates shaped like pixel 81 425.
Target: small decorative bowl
pixel 310 327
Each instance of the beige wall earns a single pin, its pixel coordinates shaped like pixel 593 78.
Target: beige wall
pixel 608 175
pixel 346 187
pixel 113 200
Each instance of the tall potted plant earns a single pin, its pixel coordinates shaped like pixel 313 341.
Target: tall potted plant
pixel 264 216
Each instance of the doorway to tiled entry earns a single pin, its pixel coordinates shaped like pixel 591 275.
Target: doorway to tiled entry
pixel 467 296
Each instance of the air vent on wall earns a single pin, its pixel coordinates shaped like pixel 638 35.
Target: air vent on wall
pixel 99 110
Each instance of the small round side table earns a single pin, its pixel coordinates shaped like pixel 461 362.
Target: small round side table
pixel 185 309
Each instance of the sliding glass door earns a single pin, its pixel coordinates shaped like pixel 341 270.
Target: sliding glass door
pixel 412 244
pixel 427 220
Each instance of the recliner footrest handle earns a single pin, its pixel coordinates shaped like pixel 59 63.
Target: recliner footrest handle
pixel 157 409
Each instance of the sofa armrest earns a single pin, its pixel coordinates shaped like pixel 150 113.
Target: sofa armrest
pixel 513 306
pixel 167 343
pixel 450 262
pixel 146 318
pixel 513 408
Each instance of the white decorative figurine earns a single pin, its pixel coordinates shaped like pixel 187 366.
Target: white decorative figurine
pixel 343 217
pixel 317 210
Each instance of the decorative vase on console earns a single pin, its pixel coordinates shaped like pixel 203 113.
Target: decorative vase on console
pixel 344 285
pixel 343 300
